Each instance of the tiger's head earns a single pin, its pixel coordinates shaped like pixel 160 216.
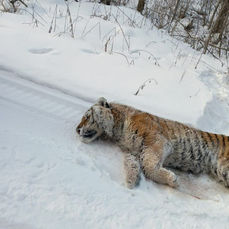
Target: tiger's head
pixel 96 121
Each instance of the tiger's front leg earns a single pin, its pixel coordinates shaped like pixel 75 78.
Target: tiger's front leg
pixel 132 168
pixel 152 158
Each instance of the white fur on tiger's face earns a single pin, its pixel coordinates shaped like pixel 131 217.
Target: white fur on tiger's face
pixel 151 144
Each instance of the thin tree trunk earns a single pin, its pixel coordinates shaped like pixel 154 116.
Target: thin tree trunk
pixel 207 42
pixel 213 15
pixel 222 30
pixel 221 19
pixel 175 10
pixel 141 5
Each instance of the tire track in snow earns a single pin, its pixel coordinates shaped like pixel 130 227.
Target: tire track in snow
pixel 38 97
pixel 7 71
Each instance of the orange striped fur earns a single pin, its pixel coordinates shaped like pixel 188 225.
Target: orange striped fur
pixel 152 144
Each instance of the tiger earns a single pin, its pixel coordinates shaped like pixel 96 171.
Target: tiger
pixel 155 146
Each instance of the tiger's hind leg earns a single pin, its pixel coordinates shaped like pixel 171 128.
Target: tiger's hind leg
pixel 152 160
pixel 223 171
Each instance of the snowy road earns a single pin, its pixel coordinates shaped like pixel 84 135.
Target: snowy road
pixel 48 177
pixel 45 172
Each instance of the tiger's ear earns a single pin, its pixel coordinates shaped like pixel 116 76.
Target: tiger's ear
pixel 103 102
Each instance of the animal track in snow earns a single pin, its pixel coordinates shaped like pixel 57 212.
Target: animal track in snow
pixel 41 50
pixel 88 51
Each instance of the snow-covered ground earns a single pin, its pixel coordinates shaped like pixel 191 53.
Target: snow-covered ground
pixel 49 179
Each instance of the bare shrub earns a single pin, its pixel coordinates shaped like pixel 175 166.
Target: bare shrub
pixel 11 6
pixel 202 23
pixel 6 6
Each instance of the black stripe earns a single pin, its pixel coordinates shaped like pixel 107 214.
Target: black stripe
pixel 211 139
pixel 179 134
pixel 225 176
pixel 224 144
pixel 206 150
pixel 205 143
pixel 191 153
pixel 134 138
pixel 196 139
pixel 223 149
pixel 198 154
pixel 143 142
pixel 223 141
pixel 209 159
pixel 92 114
pixel 122 127
pixel 184 144
pixel 216 171
pixel 217 146
pixel 165 122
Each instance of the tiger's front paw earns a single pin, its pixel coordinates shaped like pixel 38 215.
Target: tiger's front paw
pixel 130 184
pixel 132 169
pixel 132 181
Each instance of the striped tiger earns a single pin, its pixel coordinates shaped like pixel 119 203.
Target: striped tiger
pixel 153 145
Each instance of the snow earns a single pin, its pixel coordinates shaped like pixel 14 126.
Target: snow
pixel 49 179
